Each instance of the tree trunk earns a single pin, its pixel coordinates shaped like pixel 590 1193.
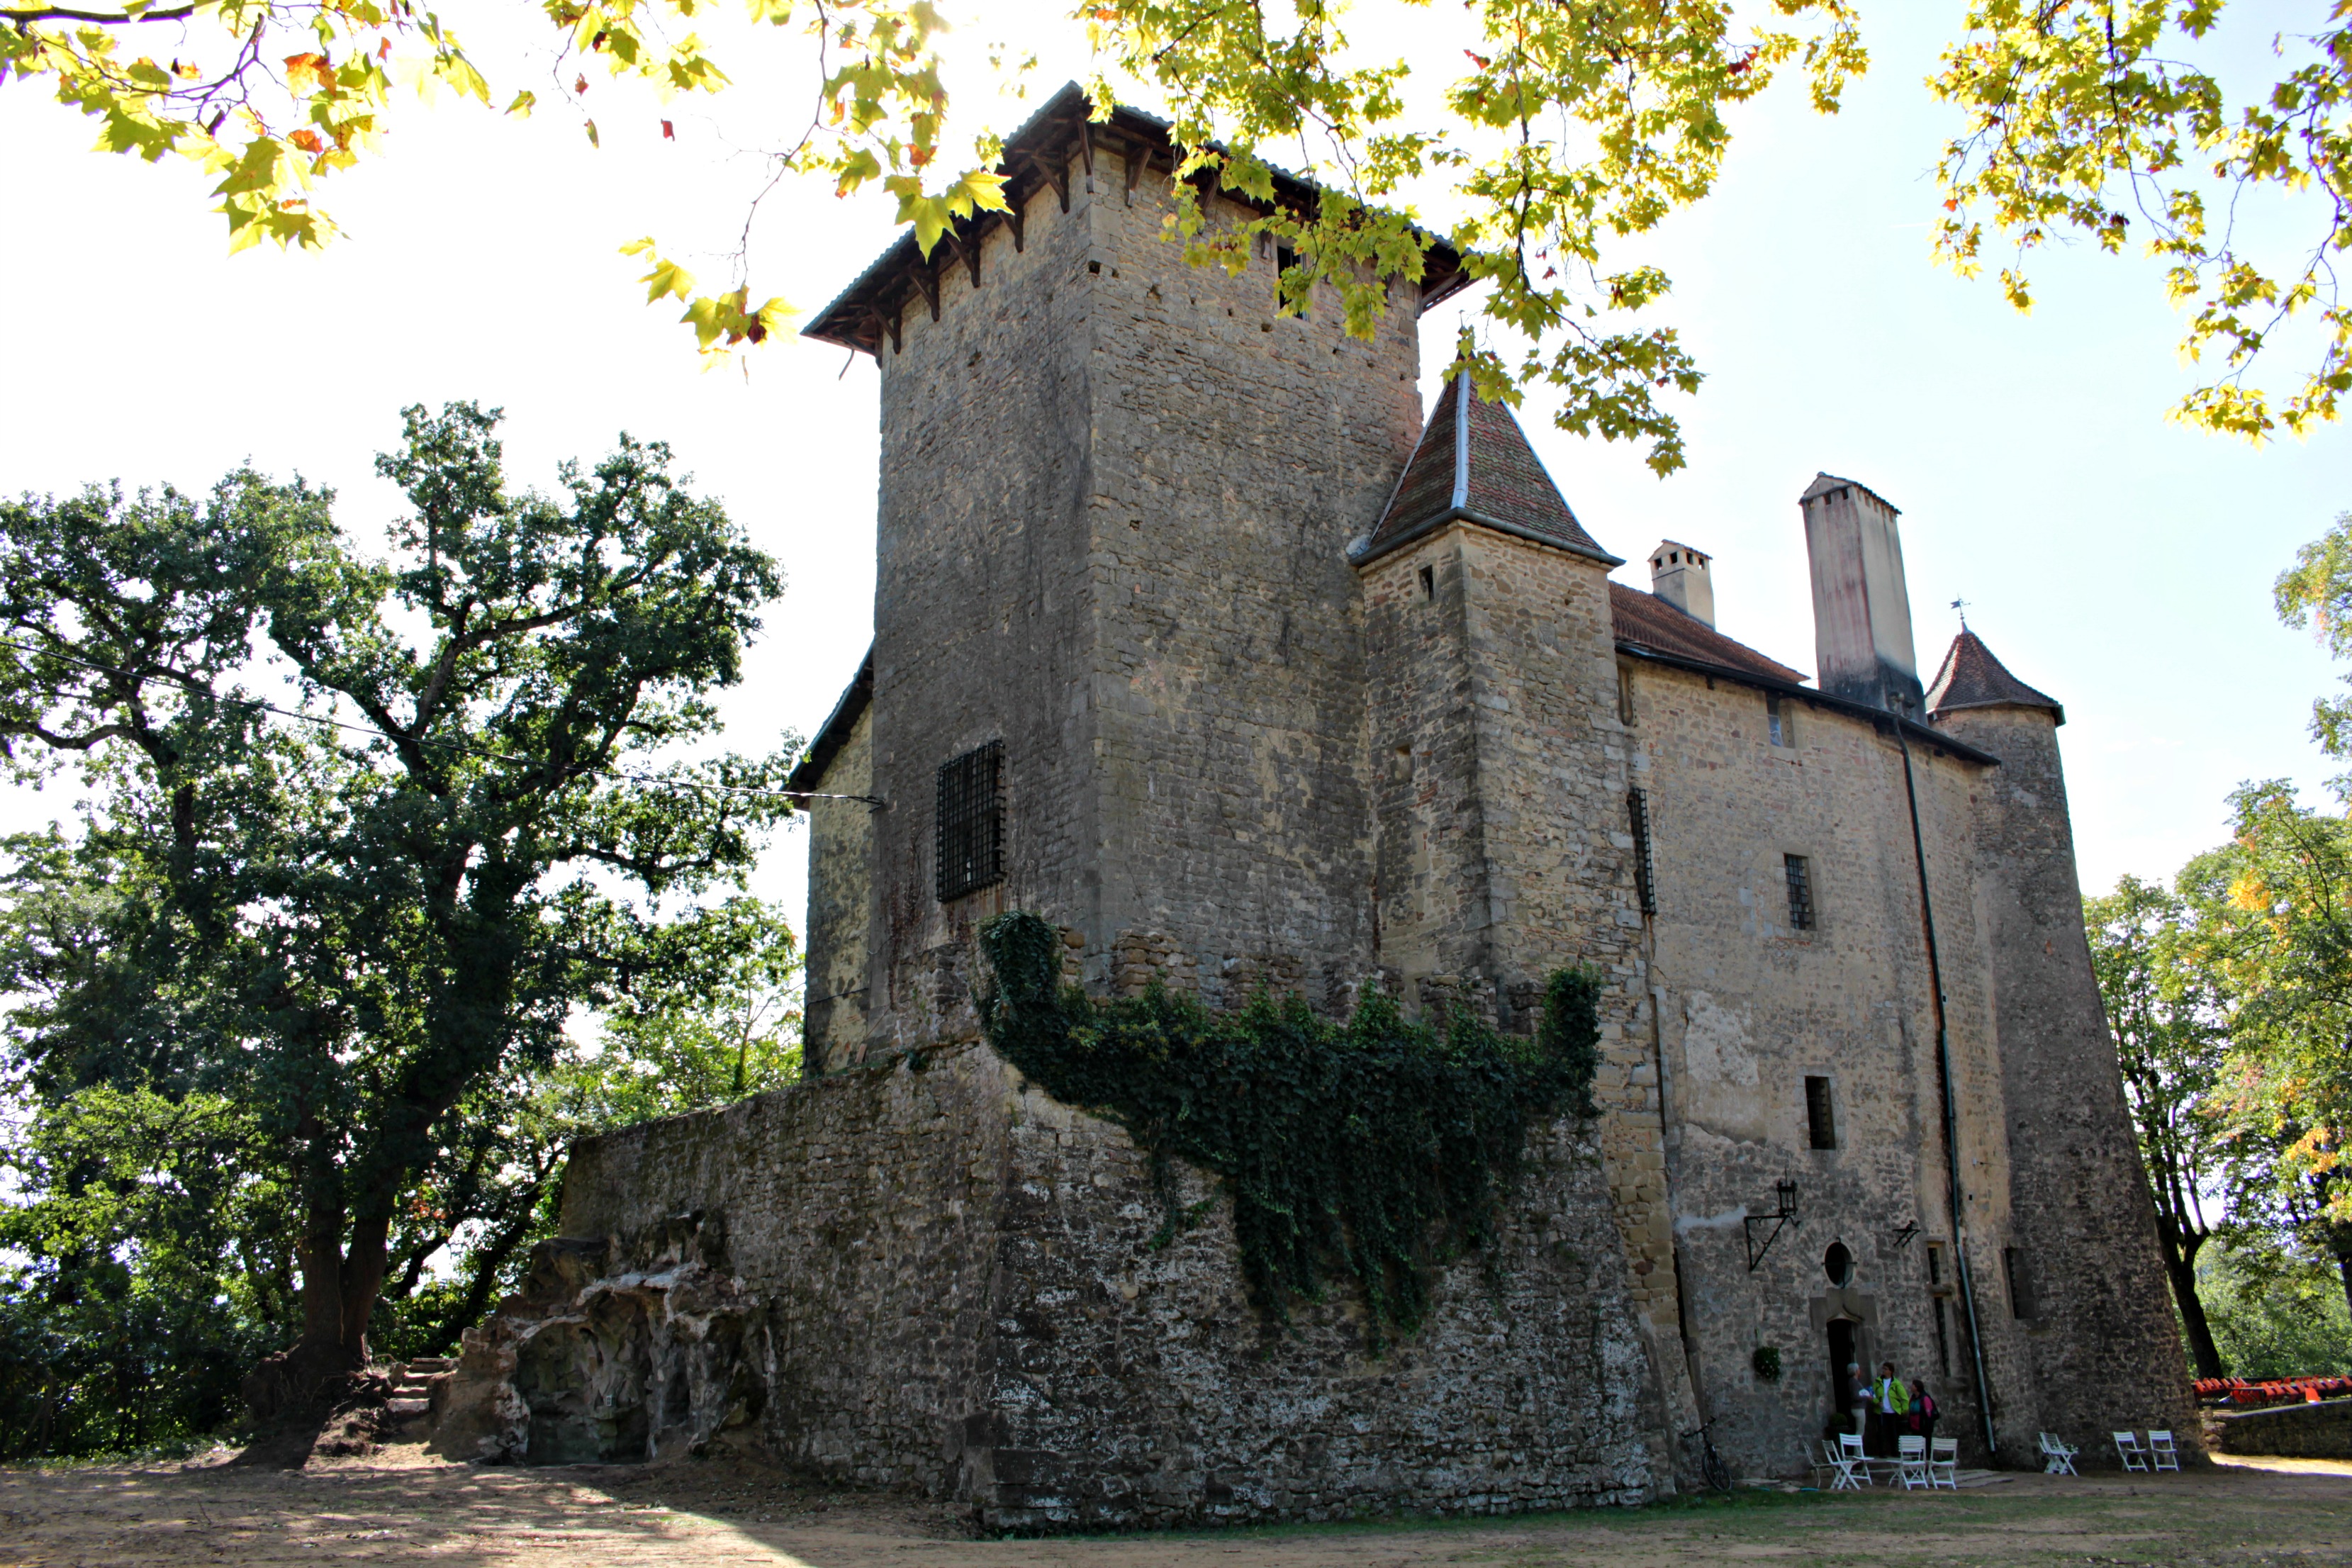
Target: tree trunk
pixel 2182 1270
pixel 2344 1272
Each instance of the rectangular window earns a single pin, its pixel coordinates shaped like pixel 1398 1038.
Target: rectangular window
pixel 1820 1117
pixel 1624 695
pixel 1284 258
pixel 1935 1263
pixel 968 834
pixel 1646 871
pixel 1429 581
pixel 1801 892
pixel 1776 721
pixel 2021 1282
pixel 1943 1339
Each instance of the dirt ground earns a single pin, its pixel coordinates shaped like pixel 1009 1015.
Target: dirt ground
pixel 401 1507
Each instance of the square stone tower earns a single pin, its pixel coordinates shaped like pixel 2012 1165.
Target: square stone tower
pixel 1113 591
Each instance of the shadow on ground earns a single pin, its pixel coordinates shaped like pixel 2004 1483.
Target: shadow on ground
pixel 399 1506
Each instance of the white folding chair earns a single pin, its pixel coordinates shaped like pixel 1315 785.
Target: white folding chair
pixel 1853 1465
pixel 2127 1447
pixel 2057 1457
pixel 1911 1463
pixel 1842 1479
pixel 1944 1463
pixel 2161 1452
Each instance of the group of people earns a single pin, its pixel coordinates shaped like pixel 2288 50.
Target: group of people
pixel 1888 1410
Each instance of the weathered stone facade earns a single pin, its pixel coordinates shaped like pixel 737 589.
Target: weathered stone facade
pixel 1292 691
pixel 959 1293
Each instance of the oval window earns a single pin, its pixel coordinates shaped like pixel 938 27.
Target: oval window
pixel 1837 1264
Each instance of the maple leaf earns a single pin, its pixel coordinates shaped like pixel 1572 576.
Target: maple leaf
pixel 669 134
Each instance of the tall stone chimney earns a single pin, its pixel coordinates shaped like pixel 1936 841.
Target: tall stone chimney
pixel 1678 575
pixel 1862 607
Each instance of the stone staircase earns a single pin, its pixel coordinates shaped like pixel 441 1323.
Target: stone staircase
pixel 407 1412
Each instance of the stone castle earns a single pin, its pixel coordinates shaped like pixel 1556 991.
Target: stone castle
pixel 1193 634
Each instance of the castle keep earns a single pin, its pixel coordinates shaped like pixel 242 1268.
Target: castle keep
pixel 1197 634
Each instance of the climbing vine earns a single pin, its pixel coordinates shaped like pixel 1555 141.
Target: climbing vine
pixel 1381 1145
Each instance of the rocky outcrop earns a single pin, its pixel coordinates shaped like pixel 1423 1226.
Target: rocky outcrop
pixel 613 1351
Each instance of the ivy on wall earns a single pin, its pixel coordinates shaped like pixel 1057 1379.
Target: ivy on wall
pixel 1381 1146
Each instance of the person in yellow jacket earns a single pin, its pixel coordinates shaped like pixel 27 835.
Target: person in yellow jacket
pixel 1890 1402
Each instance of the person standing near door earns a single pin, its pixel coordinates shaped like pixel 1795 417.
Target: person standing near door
pixel 1857 1401
pixel 1892 1402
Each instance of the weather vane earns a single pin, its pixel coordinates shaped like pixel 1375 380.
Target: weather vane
pixel 1962 605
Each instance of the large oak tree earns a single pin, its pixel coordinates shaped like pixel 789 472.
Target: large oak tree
pixel 364 835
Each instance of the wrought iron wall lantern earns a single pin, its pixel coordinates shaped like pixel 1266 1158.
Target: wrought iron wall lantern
pixel 1783 1215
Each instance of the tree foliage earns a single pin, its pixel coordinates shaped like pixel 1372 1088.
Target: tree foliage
pixel 2165 1011
pixel 359 887
pixel 2101 119
pixel 1560 132
pixel 1384 1144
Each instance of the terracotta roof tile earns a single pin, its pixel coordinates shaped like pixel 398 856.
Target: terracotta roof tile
pixel 1473 462
pixel 1972 678
pixel 1647 623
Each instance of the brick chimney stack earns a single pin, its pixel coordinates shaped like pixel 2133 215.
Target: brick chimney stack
pixel 1678 575
pixel 1862 607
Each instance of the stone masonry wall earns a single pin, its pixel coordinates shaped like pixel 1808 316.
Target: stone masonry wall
pixel 1117 494
pixel 1747 1008
pixel 840 906
pixel 1504 849
pixel 963 1296
pixel 2101 1341
pixel 861 1208
pixel 983 611
pixel 1236 452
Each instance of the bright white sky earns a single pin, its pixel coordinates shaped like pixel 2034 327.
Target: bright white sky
pixel 2119 562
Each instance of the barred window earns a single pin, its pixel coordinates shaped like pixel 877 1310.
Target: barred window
pixel 1801 892
pixel 968 835
pixel 1821 1116
pixel 1646 871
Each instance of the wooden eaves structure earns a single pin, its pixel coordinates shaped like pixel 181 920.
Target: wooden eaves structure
pixel 1055 145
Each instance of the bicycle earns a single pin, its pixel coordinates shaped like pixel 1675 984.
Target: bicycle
pixel 1710 1465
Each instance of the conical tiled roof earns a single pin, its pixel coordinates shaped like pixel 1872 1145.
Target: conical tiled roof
pixel 1473 463
pixel 1972 678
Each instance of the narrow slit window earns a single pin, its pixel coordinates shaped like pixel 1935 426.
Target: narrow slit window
pixel 1646 871
pixel 1776 722
pixel 1943 1339
pixel 1801 892
pixel 2021 1303
pixel 1821 1116
pixel 1624 695
pixel 1429 581
pixel 968 834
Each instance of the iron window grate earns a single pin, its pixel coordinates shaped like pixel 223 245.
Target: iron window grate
pixel 1801 893
pixel 1821 1116
pixel 1645 870
pixel 968 832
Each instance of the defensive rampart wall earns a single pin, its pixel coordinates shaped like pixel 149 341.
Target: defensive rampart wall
pixel 957 1284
